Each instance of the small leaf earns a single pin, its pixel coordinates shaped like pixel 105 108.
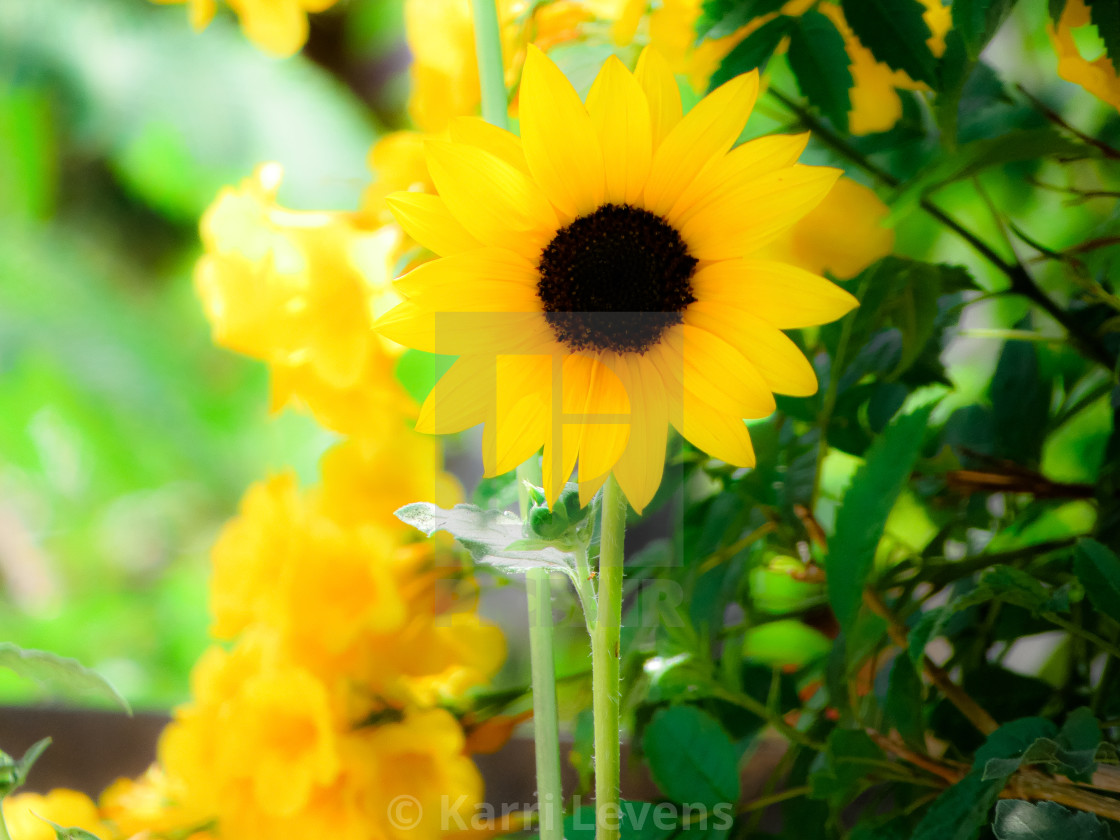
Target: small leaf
pixel 725 17
pixel 1105 15
pixel 896 33
pixel 1018 820
pixel 59 674
pixel 691 757
pixel 929 627
pixel 903 707
pixel 866 506
pixel 14 773
pixel 72 833
pixel 960 811
pixel 978 20
pixel 819 61
pixel 850 758
pixel 753 51
pixel 1098 569
pixel 493 537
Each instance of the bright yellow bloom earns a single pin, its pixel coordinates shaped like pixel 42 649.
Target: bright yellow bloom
pixel 150 803
pixel 68 808
pixel 299 290
pixel 276 26
pixel 610 252
pixel 1098 76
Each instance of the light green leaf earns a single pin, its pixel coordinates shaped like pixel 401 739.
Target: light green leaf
pixel 71 833
pixel 1019 820
pixel 58 674
pixel 13 773
pixel 691 757
pixel 867 504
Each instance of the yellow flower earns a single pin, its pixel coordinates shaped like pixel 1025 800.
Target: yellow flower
pixel 841 236
pixel 610 252
pixel 299 290
pixel 68 808
pixel 150 803
pixel 1098 76
pixel 276 26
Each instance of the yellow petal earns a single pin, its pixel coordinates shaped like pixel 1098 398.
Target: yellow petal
pixel 427 220
pixel 738 223
pixel 560 142
pixel 778 360
pixel 620 113
pixel 461 272
pixel 496 202
pixel 783 295
pixel 720 435
pixel 463 397
pixel 602 443
pixel 640 468
pixel 743 164
pixel 703 136
pixel 465 333
pixel 522 404
pixel 506 145
pixel 662 93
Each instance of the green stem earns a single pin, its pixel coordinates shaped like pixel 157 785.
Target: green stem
pixel 585 589
pixel 605 688
pixel 491 68
pixel 4 833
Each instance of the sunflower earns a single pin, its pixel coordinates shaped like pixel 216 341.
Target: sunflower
pixel 599 281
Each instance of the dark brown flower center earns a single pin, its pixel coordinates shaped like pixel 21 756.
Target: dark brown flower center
pixel 615 279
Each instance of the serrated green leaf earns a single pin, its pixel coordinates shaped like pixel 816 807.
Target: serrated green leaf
pixel 977 21
pixel 896 33
pixel 903 707
pixel 753 51
pixel 866 506
pixel 819 61
pixel 13 773
pixel 493 537
pixel 691 757
pixel 1019 820
pixel 960 811
pixel 1098 569
pixel 1105 15
pixel 59 674
pixel 720 18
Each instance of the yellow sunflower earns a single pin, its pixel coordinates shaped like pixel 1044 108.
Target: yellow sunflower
pixel 598 276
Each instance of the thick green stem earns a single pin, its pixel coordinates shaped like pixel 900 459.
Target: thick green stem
pixel 546 719
pixel 491 69
pixel 605 688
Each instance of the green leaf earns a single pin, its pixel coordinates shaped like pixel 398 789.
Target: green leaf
pixel 691 757
pixel 1019 820
pixel 867 504
pixel 960 811
pixel 495 538
pixel 1074 752
pixel 896 33
pixel 929 627
pixel 13 773
pixel 977 21
pixel 903 707
pixel 850 758
pixel 72 833
pixel 1105 15
pixel 1012 739
pixel 753 51
pixel 637 821
pixel 1098 569
pixel 787 642
pixel 819 61
pixel 1056 7
pixel 720 18
pixel 419 372
pixel 58 674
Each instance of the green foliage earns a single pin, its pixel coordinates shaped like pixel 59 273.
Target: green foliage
pixel 976 21
pixel 818 60
pixel 691 757
pixel 1018 820
pixel 1098 569
pixel 59 675
pixel 896 34
pixel 753 51
pixel 1106 18
pixel 13 772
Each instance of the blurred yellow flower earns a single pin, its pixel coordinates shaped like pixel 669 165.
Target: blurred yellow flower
pixel 68 808
pixel 1097 75
pixel 299 290
pixel 149 803
pixel 617 244
pixel 276 26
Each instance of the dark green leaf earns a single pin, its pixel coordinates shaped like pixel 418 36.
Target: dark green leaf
pixel 819 61
pixel 691 757
pixel 929 627
pixel 1020 395
pixel 1098 569
pixel 960 811
pixel 1012 739
pixel 637 821
pixel 978 20
pixel 867 504
pixel 1056 7
pixel 896 33
pixel 753 51
pixel 1105 15
pixel 903 708
pixel 724 17
pixel 59 674
pixel 13 773
pixel 1018 820
pixel 851 757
